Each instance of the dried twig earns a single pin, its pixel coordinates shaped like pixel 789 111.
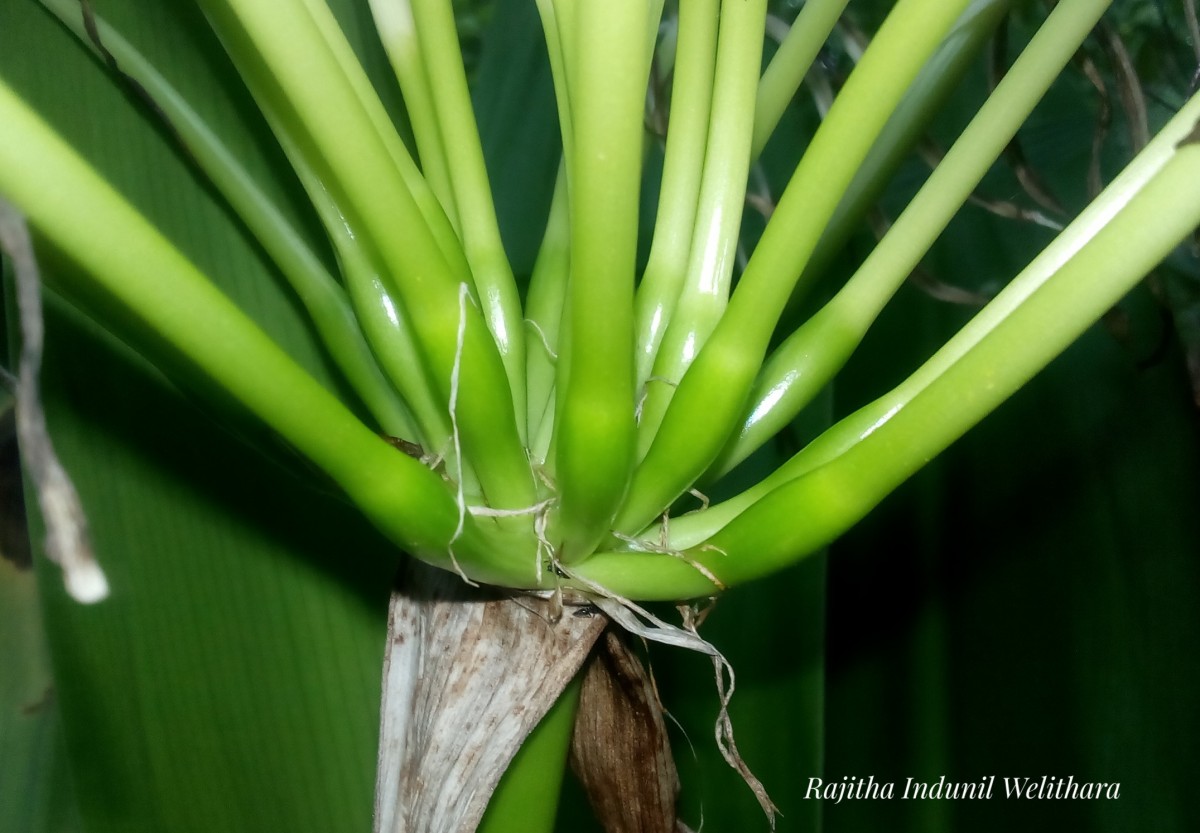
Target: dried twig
pixel 1095 182
pixel 1009 210
pixel 1129 87
pixel 67 541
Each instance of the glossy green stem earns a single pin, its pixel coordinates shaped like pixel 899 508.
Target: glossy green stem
pixel 288 61
pixel 809 358
pixel 386 323
pixel 595 422
pixel 553 23
pixel 790 65
pixel 713 393
pixel 365 97
pixel 398 33
pixel 683 166
pixel 543 314
pixel 704 291
pixel 692 529
pixel 938 79
pixel 810 511
pixel 494 282
pixel 382 319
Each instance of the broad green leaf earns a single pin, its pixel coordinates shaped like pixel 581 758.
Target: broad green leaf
pixel 231 681
pixel 35 785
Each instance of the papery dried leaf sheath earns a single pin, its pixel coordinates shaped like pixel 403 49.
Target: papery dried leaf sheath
pixel 467 676
pixel 620 750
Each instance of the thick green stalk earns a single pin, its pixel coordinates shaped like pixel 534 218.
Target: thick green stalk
pixel 811 356
pixel 683 166
pixel 556 47
pixel 287 62
pixel 398 33
pixel 543 313
pixel 832 497
pixel 383 321
pixel 712 394
pixel 691 529
pixel 480 232
pixel 548 298
pixel 704 291
pixel 325 301
pixel 790 65
pixel 150 285
pixel 436 218
pixel 387 325
pixel 937 80
pixel 595 423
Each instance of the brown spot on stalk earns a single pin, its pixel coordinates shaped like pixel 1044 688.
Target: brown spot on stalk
pixel 1192 138
pixel 412 449
pixel 135 87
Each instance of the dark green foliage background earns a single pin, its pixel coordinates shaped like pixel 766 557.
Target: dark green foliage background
pixel 1023 607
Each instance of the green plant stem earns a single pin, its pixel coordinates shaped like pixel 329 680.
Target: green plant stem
pixel 552 28
pixel 595 422
pixel 543 313
pixel 526 800
pixel 387 325
pixel 489 265
pixel 936 81
pixel 704 291
pixel 324 301
pixel 548 297
pixel 683 166
pixel 161 294
pixel 790 64
pixel 397 32
pixel 812 355
pixel 834 496
pixel 352 74
pixel 696 527
pixel 712 394
pixel 286 60
pixel 383 321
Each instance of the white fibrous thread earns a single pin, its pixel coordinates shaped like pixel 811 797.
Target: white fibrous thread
pixel 724 725
pixel 540 512
pixel 464 295
pixel 661 548
pixel 537 328
pixel 641 403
